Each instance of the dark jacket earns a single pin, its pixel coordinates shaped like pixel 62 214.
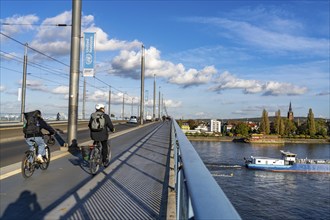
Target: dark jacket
pixel 104 133
pixel 42 125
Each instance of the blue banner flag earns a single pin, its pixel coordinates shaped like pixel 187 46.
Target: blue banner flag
pixel 89 54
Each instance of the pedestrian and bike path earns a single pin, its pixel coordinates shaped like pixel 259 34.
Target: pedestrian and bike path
pixel 134 186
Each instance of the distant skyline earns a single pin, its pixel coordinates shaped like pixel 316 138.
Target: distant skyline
pixel 210 59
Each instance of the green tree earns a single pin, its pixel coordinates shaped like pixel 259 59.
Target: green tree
pixel 179 122
pixel 242 129
pixel 281 127
pixel 302 129
pixel 289 127
pixel 192 124
pixel 321 127
pixel 277 122
pixel 264 124
pixel 311 130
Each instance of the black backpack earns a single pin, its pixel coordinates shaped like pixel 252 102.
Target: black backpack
pixel 31 124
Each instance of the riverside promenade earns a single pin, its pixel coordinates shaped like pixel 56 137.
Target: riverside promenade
pixel 136 184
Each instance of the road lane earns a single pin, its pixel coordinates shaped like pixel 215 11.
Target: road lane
pixel 13 151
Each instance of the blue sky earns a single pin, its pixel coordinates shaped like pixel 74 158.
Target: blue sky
pixel 211 59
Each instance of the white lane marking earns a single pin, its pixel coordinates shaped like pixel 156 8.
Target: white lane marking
pixel 17 171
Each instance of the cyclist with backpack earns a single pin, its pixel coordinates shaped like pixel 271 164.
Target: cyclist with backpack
pixel 99 124
pixel 33 125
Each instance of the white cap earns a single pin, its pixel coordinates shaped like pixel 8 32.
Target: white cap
pixel 99 106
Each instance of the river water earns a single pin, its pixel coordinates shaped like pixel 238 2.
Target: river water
pixel 268 195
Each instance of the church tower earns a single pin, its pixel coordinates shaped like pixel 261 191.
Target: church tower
pixel 290 113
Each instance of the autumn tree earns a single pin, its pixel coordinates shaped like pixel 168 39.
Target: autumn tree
pixel 264 124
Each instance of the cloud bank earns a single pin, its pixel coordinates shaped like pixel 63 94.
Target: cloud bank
pixel 228 81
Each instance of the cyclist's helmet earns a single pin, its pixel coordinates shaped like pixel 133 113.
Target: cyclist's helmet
pixel 99 106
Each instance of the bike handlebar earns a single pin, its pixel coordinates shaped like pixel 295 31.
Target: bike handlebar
pixel 50 139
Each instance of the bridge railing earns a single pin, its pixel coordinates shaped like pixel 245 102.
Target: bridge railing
pixel 198 194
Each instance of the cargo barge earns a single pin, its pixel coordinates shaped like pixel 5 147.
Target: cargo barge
pixel 288 163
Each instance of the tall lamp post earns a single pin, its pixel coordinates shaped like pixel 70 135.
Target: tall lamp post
pixel 74 73
pixel 109 101
pixel 24 84
pixel 142 87
pixel 84 99
pixel 154 102
pixel 159 104
pixel 123 113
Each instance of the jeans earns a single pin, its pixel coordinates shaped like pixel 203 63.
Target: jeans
pixel 39 141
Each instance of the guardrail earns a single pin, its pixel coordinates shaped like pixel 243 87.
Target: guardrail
pixel 198 194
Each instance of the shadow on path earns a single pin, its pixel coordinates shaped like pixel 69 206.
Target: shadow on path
pixel 133 186
pixel 23 208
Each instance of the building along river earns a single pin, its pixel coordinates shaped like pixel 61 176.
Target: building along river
pixel 268 195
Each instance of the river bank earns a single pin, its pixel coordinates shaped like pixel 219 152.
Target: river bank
pixel 283 140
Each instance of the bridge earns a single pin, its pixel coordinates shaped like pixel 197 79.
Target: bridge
pixel 154 173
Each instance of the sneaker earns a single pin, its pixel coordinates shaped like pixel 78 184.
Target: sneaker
pixel 40 159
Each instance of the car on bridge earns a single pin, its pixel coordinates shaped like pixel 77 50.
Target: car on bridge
pixel 133 120
pixel 148 118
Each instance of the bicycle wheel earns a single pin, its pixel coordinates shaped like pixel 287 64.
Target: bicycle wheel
pixel 94 160
pixel 27 166
pixel 46 158
pixel 106 164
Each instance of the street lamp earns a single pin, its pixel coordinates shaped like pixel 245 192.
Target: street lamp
pixel 24 84
pixel 142 86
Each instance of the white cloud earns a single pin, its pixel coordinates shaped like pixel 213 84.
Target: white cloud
pixel 172 104
pixel 103 43
pixel 56 41
pixel 98 96
pixel 17 24
pixel 169 103
pixel 8 56
pixel 325 93
pixel 61 90
pixel 228 81
pixel 193 77
pixel 2 88
pixel 103 96
pixel 128 64
pixel 200 114
pixel 277 88
pixel 270 18
pixel 35 85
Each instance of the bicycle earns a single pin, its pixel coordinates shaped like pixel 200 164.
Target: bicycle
pixel 95 157
pixel 29 161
